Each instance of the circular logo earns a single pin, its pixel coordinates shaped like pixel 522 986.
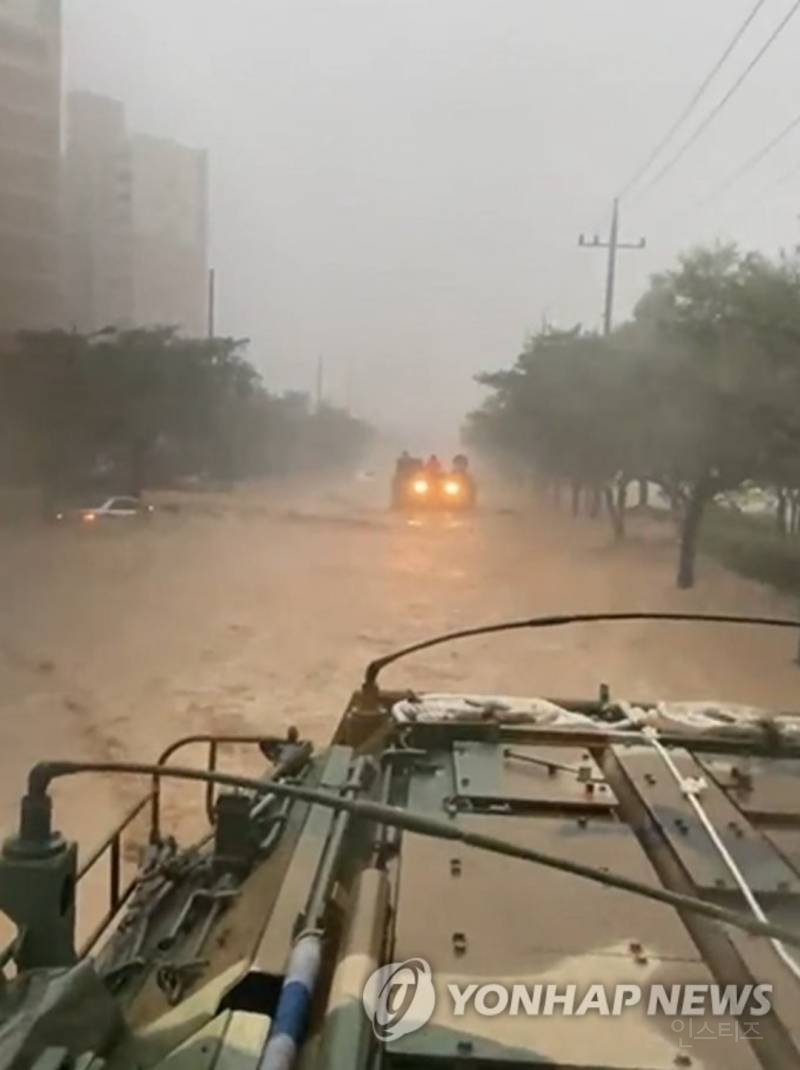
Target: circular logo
pixel 399 999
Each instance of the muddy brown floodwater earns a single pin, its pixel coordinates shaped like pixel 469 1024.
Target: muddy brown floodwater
pixel 259 609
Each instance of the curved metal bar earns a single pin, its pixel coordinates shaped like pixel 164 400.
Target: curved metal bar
pixel 41 775
pixel 379 664
pixel 213 739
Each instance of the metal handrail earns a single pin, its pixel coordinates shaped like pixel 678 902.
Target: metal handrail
pixel 98 852
pixel 117 894
pixel 213 740
pixel 112 844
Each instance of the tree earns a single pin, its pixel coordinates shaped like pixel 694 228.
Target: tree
pixel 149 404
pixel 699 392
pixel 569 405
pixel 725 341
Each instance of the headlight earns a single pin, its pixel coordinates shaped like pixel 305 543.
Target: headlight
pixel 89 517
pixel 452 488
pixel 420 486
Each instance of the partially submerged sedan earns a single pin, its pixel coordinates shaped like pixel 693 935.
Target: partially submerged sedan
pixel 103 508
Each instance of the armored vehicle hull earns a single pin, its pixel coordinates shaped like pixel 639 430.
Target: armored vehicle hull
pixel 444 885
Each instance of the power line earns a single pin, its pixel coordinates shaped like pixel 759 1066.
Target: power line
pixel 752 161
pixel 742 209
pixel 689 108
pixel 749 164
pixel 764 192
pixel 795 169
pixel 673 160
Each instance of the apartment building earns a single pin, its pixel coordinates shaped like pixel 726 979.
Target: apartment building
pixel 98 235
pixel 170 254
pixel 30 152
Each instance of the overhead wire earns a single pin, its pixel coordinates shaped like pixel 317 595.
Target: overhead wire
pixel 793 170
pixel 751 162
pixel 718 191
pixel 718 107
pixel 771 187
pixel 694 101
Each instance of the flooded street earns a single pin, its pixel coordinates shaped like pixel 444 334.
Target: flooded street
pixel 258 610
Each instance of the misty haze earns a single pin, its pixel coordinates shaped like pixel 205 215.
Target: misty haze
pixel 330 327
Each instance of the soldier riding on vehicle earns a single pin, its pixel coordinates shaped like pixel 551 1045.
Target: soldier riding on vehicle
pixel 428 485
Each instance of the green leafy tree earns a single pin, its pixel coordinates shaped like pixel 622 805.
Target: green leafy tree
pixel 724 339
pixel 151 404
pixel 700 392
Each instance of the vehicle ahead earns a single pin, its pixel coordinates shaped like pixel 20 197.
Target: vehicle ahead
pixel 457 881
pixel 104 508
pixel 424 486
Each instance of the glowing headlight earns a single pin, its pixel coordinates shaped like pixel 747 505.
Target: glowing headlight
pixel 89 517
pixel 420 486
pixel 452 488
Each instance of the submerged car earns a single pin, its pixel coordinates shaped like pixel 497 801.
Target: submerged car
pixel 124 507
pixel 455 881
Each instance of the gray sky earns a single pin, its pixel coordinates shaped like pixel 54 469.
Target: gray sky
pixel 399 184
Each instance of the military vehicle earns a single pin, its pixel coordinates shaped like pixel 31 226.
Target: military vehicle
pixel 372 905
pixel 416 488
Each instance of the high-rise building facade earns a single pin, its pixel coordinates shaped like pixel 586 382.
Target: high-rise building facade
pixel 170 254
pixel 135 230
pixel 98 237
pixel 30 156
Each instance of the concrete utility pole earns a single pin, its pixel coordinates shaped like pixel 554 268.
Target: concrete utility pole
pixel 613 245
pixel 348 385
pixel 320 380
pixel 212 296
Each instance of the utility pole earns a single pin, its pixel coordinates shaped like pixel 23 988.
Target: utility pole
pixel 348 385
pixel 613 245
pixel 211 301
pixel 320 378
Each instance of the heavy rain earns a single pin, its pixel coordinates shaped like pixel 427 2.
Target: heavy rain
pixel 327 326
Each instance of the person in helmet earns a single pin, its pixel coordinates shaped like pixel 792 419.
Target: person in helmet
pixel 433 467
pixel 404 465
pixel 404 470
pixel 460 472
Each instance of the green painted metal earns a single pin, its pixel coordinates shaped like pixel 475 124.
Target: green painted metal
pixel 281 929
pixel 38 874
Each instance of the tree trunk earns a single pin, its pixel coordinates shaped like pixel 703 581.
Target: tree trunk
pixel 137 469
pixel 644 494
pixel 690 530
pixel 622 495
pixel 615 514
pixel 782 512
pixel 595 502
pixel 576 498
pixel 676 503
